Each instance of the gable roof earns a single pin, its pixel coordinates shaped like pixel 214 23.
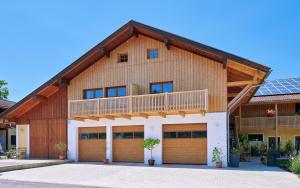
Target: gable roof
pixel 132 28
pixel 5 104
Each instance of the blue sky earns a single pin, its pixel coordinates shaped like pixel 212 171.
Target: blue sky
pixel 39 38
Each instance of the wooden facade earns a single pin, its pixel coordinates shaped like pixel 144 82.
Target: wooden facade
pixel 187 71
pixel 48 125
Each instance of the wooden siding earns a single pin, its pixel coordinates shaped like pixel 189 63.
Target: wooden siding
pixel 47 124
pixel 187 71
pixel 54 108
pixel 286 109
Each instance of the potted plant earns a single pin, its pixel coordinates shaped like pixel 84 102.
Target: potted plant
pixel 271 157
pixel 217 157
pixel 235 157
pixel 150 144
pixel 61 147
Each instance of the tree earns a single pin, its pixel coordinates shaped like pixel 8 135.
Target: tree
pixel 3 90
pixel 150 144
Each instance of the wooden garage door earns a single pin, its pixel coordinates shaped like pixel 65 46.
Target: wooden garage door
pixel 128 143
pixel 92 143
pixel 44 134
pixel 185 143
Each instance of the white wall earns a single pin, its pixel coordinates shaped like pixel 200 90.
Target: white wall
pixel 216 132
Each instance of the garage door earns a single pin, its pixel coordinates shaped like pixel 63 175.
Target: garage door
pixel 185 143
pixel 92 143
pixel 128 143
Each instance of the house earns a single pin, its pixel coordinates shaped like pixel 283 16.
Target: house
pixel 7 130
pixel 282 97
pixel 139 82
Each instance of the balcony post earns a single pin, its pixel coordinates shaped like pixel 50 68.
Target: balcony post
pixel 166 102
pixel 130 104
pixel 276 127
pixel 69 109
pixel 98 107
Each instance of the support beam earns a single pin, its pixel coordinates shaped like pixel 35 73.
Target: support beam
pixel 144 115
pixel 78 119
pixel 181 113
pixel 63 82
pixel 126 116
pixel 162 114
pixel 105 51
pixel 239 83
pixel 109 117
pixel 276 128
pixel 224 61
pixel 94 118
pixel 40 98
pixel 134 32
pixel 167 43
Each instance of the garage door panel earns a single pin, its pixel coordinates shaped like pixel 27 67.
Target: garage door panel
pixel 128 149
pixel 91 149
pixel 189 150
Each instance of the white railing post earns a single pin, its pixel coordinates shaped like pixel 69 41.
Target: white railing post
pixel 166 102
pixel 98 107
pixel 130 104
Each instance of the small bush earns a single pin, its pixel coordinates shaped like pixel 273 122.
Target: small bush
pixel 283 163
pixel 254 151
pixel 11 153
pixel 295 165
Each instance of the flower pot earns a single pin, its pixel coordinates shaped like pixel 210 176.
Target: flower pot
pixel 62 157
pixel 219 164
pixel 235 161
pixel 106 161
pixel 151 162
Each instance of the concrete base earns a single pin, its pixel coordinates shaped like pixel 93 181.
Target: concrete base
pixel 13 164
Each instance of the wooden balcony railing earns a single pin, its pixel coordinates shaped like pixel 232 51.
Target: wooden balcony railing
pixel 268 122
pixel 140 105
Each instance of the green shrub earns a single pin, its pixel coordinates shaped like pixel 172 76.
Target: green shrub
pixel 263 149
pixel 150 144
pixel 235 151
pixel 283 163
pixel 254 151
pixel 11 153
pixel 289 148
pixel 216 155
pixel 295 165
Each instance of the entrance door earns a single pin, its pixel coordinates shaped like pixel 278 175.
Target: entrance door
pixel 39 142
pixel 272 143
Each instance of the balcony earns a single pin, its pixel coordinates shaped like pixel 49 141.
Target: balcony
pixel 140 105
pixel 268 122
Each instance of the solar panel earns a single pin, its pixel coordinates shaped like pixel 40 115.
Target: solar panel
pixel 279 87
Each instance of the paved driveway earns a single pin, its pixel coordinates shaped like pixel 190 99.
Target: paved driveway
pixel 128 175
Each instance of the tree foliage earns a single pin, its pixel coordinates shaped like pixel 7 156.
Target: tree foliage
pixel 3 90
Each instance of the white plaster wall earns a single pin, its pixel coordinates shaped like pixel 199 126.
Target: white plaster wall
pixel 216 132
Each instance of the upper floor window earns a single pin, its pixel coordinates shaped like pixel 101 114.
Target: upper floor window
pixel 152 53
pixel 93 93
pixel 123 58
pixel 116 91
pixel 297 108
pixel 161 87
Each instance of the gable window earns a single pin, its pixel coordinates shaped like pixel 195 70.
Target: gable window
pixel 161 87
pixel 255 137
pixel 92 93
pixel 116 91
pixel 152 53
pixel 123 58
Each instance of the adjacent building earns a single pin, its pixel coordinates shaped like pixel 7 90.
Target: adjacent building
pixel 7 129
pixel 273 114
pixel 139 82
